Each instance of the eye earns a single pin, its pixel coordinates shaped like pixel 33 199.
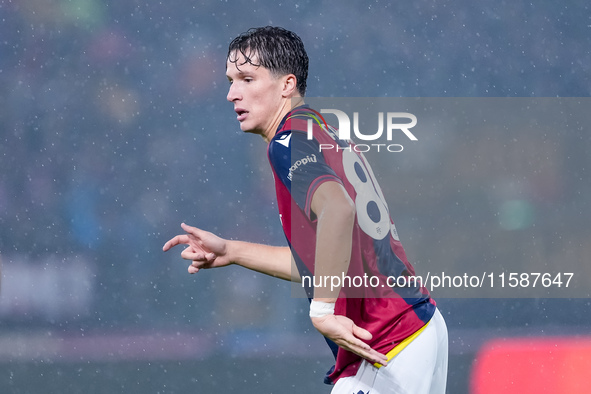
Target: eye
pixel 248 79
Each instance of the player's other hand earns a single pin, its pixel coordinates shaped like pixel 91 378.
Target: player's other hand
pixel 342 331
pixel 204 249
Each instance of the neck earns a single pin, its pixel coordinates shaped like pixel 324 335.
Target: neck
pixel 287 106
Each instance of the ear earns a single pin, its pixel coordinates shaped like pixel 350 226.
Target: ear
pixel 290 84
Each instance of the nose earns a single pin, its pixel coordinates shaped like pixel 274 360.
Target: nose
pixel 233 93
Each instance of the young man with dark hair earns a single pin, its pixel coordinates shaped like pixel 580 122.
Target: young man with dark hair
pixel 390 339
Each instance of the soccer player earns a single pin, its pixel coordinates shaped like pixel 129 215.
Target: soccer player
pixel 390 338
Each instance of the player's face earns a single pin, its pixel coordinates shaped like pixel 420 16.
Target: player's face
pixel 257 96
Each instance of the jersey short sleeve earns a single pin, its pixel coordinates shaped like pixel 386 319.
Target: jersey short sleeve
pixel 300 165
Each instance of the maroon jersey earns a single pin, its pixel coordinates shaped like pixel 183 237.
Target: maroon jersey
pixel 370 296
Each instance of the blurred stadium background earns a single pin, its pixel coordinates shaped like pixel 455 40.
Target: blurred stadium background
pixel 114 129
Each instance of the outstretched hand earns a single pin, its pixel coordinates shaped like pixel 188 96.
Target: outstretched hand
pixel 342 331
pixel 204 249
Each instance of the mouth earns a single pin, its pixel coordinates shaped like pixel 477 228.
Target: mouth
pixel 241 114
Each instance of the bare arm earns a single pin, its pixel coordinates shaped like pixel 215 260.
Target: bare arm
pixel 207 250
pixel 271 260
pixel 336 218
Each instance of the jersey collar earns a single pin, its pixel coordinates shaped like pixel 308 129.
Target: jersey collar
pixel 299 109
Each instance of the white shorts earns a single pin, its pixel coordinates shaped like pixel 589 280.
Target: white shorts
pixel 420 368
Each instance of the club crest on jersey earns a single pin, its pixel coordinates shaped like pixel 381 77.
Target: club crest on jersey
pixel 301 162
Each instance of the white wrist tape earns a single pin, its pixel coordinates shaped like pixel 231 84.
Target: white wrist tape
pixel 320 309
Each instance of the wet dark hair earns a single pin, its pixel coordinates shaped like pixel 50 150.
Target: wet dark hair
pixel 275 48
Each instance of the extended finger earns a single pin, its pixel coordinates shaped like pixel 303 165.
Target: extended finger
pixel 179 239
pixel 374 357
pixel 189 253
pixel 356 342
pixel 361 333
pixel 192 269
pixel 378 357
pixel 192 230
pixel 365 351
pixel 198 265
